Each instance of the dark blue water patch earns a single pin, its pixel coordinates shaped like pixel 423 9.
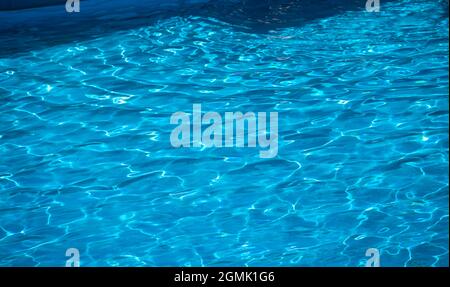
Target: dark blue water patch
pixel 54 25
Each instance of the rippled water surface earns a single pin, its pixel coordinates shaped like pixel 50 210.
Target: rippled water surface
pixel 86 160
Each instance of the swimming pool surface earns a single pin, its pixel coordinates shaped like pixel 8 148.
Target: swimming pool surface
pixel 86 161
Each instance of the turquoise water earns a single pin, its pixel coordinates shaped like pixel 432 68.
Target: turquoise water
pixel 86 159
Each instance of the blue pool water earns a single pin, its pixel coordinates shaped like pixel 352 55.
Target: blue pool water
pixel 86 160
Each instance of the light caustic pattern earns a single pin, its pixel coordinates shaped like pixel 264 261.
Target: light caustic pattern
pixel 86 160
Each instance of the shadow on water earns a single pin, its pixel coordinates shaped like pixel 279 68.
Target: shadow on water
pixel 261 16
pixel 252 16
